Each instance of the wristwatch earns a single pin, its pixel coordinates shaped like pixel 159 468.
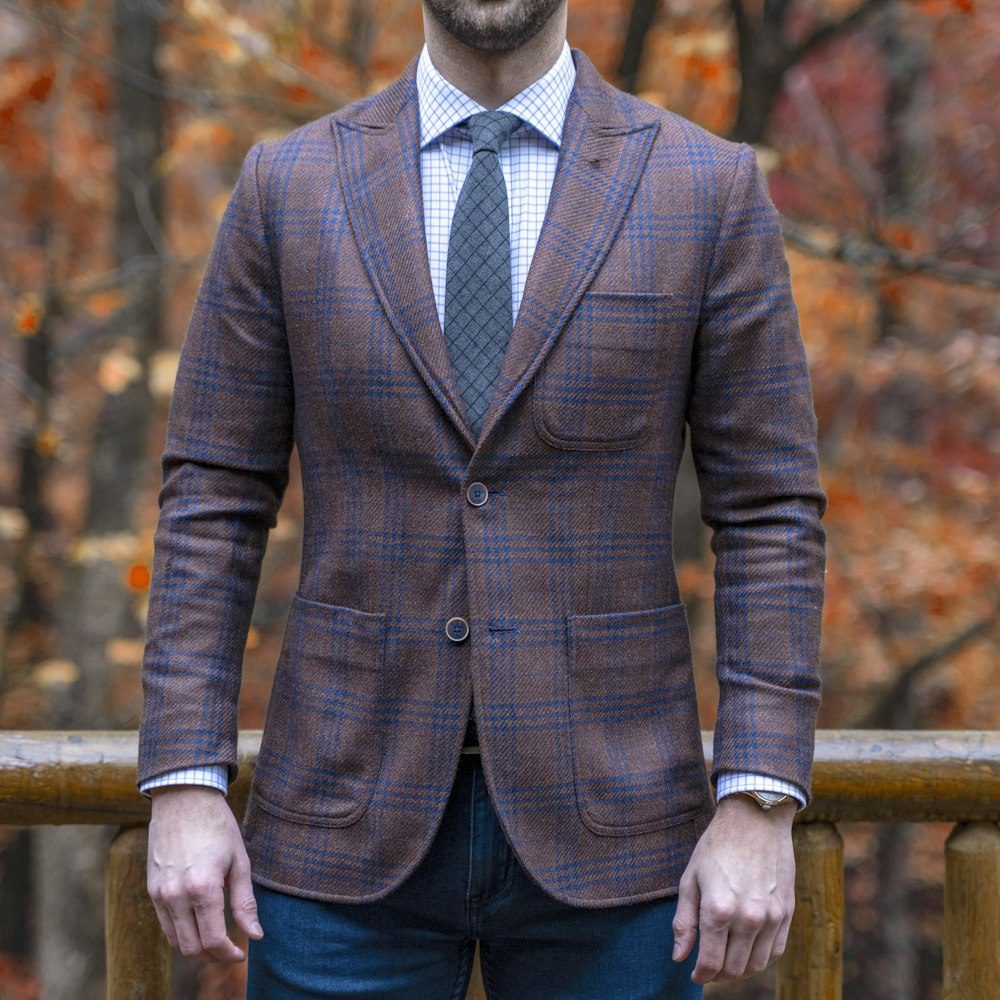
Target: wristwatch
pixel 766 800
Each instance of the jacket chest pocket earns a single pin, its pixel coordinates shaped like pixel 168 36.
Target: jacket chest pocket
pixel 610 371
pixel 321 749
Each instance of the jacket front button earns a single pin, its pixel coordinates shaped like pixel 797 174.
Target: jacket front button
pixel 457 629
pixel 477 494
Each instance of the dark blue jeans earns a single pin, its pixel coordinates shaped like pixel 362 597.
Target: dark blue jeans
pixel 418 942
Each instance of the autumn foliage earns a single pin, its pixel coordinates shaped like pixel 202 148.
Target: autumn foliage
pixel 882 147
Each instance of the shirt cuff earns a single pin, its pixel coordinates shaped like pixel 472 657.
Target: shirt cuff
pixel 732 782
pixel 206 775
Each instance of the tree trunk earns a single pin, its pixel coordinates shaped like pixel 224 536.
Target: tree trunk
pixel 97 605
pixel 894 975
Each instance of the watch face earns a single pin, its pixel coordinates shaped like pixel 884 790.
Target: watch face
pixel 773 796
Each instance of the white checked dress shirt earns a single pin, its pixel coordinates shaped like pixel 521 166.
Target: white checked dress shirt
pixel 528 163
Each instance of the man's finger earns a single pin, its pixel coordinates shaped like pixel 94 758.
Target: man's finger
pixel 686 919
pixel 781 938
pixel 241 898
pixel 714 919
pixel 761 953
pixel 210 915
pixel 750 920
pixel 185 927
pixel 166 923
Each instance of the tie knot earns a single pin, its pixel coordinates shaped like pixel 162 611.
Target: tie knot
pixel 491 129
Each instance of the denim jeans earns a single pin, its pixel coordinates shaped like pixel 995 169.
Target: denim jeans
pixel 418 942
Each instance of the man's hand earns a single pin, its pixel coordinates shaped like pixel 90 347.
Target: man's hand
pixel 195 851
pixel 739 890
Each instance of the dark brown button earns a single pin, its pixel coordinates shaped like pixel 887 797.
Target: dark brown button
pixel 477 494
pixel 457 629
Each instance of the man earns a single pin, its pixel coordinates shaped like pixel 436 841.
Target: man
pixel 489 412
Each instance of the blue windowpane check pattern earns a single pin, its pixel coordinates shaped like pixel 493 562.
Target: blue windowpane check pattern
pixel 528 163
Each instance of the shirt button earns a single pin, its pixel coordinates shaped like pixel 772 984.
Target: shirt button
pixel 477 494
pixel 457 629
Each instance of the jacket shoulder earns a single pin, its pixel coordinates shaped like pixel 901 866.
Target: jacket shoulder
pixel 680 143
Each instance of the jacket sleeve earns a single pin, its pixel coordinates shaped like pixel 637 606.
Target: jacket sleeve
pixel 753 437
pixel 225 469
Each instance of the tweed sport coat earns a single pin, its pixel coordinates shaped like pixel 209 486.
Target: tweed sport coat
pixel 658 297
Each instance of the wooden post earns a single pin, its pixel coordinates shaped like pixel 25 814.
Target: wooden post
pixel 812 967
pixel 972 912
pixel 139 961
pixel 476 989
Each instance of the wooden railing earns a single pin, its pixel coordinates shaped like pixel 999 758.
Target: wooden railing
pixel 88 777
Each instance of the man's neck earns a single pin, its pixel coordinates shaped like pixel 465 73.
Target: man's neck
pixel 493 78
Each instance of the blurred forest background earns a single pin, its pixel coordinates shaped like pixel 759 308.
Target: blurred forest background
pixel 123 124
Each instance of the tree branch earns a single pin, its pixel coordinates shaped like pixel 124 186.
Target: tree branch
pixel 861 253
pixel 831 29
pixel 640 21
pixel 897 694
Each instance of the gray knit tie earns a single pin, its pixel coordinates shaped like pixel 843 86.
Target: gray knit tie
pixel 477 313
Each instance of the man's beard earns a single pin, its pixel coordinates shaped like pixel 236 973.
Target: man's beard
pixel 482 26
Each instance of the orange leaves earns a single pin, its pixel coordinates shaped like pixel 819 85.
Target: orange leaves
pixel 23 80
pixel 56 673
pixel 13 524
pixel 39 88
pixel 942 8
pixel 693 72
pixel 299 95
pixel 162 373
pixel 227 49
pixel 101 305
pixel 28 324
pixel 17 978
pixel 47 442
pixel 195 141
pixel 905 236
pixel 118 369
pixel 22 84
pixel 124 652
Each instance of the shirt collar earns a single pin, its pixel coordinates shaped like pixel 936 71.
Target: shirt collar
pixel 542 105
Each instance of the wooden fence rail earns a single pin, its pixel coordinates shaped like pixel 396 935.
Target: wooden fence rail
pixel 89 777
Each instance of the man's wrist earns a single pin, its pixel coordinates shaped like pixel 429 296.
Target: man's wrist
pixel 202 775
pixel 733 782
pixel 741 805
pixel 161 790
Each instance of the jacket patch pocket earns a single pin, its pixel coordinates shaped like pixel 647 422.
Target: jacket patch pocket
pixel 321 749
pixel 601 384
pixel 638 762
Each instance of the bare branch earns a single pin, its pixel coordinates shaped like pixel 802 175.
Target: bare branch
pixel 897 694
pixel 202 99
pixel 831 29
pixel 18 380
pixel 640 21
pixel 775 15
pixel 845 247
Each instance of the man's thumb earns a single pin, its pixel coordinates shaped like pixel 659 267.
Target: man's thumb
pixel 242 901
pixel 686 920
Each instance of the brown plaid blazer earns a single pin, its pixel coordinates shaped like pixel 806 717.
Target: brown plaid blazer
pixel 658 298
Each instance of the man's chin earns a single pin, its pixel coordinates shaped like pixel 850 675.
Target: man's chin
pixel 493 26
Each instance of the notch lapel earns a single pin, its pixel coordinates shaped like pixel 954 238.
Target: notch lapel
pixel 378 150
pixel 601 158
